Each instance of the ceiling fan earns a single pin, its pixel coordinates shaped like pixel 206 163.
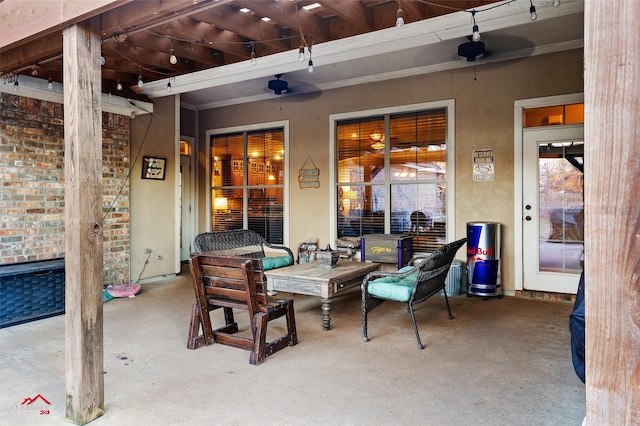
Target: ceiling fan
pixel 500 43
pixel 471 49
pixel 278 86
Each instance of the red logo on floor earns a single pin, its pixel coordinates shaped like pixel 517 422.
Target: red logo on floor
pixel 29 401
pixel 37 404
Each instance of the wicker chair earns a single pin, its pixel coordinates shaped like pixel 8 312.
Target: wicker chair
pixel 424 277
pixel 243 243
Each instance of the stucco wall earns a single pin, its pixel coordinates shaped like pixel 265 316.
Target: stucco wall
pixel 154 219
pixel 484 98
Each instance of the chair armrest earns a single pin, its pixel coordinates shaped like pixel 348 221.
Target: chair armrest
pixel 279 247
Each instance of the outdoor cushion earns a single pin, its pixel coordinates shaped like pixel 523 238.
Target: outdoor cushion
pixel 394 288
pixel 399 291
pixel 274 262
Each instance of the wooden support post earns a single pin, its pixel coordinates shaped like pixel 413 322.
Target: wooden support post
pixel 84 357
pixel 612 211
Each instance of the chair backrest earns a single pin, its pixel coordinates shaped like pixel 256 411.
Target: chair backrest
pixel 433 270
pixel 228 281
pixel 236 242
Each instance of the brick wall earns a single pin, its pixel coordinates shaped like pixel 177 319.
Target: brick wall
pixel 32 179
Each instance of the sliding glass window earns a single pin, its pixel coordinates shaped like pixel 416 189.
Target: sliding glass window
pixel 247 182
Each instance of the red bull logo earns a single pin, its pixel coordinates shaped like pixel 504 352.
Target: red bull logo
pixel 479 252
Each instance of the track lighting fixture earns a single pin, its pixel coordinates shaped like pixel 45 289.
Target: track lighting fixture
pixel 532 11
pixel 301 54
pixel 15 84
pixel 172 57
pixel 119 86
pixel 169 86
pixel 140 82
pixel 102 60
pixel 50 84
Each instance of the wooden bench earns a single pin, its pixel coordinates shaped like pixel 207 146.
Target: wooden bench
pixel 230 283
pixel 243 243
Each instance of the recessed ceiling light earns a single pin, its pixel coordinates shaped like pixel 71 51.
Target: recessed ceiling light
pixel 245 10
pixel 265 19
pixel 311 6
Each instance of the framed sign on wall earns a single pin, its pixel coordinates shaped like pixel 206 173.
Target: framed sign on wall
pixel 153 168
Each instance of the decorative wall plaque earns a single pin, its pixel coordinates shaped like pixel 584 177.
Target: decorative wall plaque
pixel 153 168
pixel 309 177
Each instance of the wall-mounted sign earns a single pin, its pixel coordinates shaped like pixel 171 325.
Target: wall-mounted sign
pixel 309 177
pixel 483 165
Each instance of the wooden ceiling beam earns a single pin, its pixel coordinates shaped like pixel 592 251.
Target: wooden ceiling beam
pixel 287 14
pixel 184 50
pixel 411 9
pixel 246 26
pixel 25 21
pixel 139 15
pixel 353 13
pixel 140 56
pixel 34 52
pixel 190 30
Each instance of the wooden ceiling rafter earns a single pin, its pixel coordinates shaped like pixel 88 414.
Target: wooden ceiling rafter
pixel 352 13
pixel 140 15
pixel 289 15
pixel 159 47
pixel 137 36
pixel 247 27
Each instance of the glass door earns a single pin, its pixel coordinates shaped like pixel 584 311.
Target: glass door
pixel 553 208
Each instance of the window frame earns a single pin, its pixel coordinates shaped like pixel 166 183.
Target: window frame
pixel 284 125
pixel 448 105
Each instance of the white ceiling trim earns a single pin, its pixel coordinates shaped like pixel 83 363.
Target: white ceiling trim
pixel 37 88
pixel 373 78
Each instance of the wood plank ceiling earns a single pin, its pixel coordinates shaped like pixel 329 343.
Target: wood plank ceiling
pixel 139 37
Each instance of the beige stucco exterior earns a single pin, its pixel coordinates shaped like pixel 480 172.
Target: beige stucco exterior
pixel 484 99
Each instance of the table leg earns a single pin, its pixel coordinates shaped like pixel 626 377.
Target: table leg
pixel 326 314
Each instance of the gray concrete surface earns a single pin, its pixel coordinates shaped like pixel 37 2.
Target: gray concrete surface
pixel 499 362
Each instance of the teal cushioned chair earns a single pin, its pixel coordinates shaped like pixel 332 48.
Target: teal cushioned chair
pixel 424 277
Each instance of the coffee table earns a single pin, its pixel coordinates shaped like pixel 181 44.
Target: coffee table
pixel 311 279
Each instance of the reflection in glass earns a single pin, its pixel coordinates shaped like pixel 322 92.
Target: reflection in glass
pixel 561 201
pixel 247 181
pixel 390 168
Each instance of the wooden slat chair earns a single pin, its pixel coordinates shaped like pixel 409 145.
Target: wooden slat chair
pixel 230 283
pixel 422 278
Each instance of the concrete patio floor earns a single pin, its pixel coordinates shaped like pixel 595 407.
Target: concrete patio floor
pixel 499 362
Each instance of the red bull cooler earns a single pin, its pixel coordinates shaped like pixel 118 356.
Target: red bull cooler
pixel 483 259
